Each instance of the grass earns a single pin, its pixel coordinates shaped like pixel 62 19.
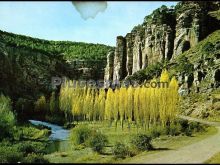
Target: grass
pixel 86 155
pixel 27 145
pixel 214 160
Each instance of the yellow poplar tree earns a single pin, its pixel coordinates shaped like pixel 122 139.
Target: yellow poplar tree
pixel 101 104
pixel 130 104
pixel 108 105
pixel 174 99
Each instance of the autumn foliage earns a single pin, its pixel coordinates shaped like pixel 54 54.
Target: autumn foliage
pixel 142 106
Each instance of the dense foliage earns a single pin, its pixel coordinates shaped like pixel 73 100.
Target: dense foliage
pixel 162 15
pixel 7 118
pixel 148 73
pixel 184 66
pixel 70 50
pixel 120 150
pixel 80 135
pixel 97 141
pixel 142 142
pixel 16 145
pixel 25 152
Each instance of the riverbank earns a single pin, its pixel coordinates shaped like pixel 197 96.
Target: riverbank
pixel 70 154
pixel 42 142
pixel 27 145
pixel 57 132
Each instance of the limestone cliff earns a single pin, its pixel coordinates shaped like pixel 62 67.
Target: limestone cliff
pixel 163 36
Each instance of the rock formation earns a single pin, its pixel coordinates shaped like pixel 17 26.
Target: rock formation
pixel 163 36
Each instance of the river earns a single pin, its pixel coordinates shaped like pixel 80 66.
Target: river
pixel 59 136
pixel 57 132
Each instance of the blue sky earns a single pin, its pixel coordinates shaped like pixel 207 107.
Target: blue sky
pixel 60 20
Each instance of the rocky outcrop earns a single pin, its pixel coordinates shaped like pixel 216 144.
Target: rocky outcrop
pixel 129 53
pixel 199 72
pixel 120 59
pixel 158 44
pixel 192 20
pixel 163 36
pixel 109 68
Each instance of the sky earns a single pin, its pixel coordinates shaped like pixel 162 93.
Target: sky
pixel 60 21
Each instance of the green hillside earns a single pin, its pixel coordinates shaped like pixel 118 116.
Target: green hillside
pixel 70 50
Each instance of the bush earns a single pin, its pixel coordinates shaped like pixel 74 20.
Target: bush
pixel 35 158
pixel 173 129
pixel 149 73
pixel 80 134
pixel 32 132
pixel 7 119
pixel 9 154
pixel 120 150
pixel 142 142
pixel 188 128
pixel 31 147
pixel 156 131
pixel 208 47
pixel 196 127
pixel 97 141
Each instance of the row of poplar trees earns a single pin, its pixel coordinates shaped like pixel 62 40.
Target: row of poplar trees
pixel 142 106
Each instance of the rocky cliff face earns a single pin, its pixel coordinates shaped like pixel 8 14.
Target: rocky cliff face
pixel 192 20
pixel 163 36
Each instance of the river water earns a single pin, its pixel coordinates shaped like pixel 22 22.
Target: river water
pixel 58 132
pixel 59 136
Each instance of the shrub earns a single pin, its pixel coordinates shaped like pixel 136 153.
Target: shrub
pixel 35 158
pixel 208 47
pixel 188 128
pixel 142 142
pixel 173 129
pixel 184 124
pixel 31 147
pixel 17 134
pixel 9 154
pixel 32 132
pixel 80 134
pixel 97 141
pixel 7 119
pixel 184 127
pixel 151 71
pixel 184 65
pixel 120 150
pixel 156 131
pixel 196 127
